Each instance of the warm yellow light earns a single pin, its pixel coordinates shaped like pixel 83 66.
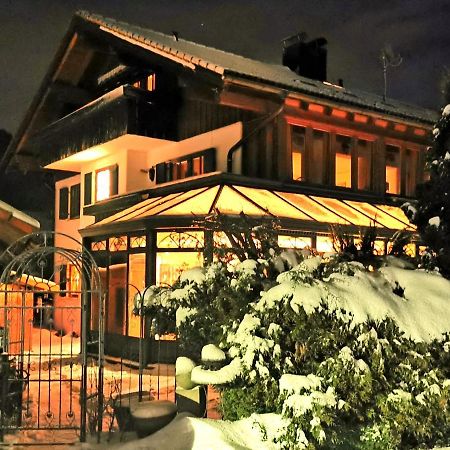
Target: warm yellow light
pixel 392 180
pixel 103 184
pixel 343 170
pixel 296 165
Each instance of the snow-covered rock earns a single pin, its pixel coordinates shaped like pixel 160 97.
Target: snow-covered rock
pixel 212 353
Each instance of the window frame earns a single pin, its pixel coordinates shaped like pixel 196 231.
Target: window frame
pixel 113 181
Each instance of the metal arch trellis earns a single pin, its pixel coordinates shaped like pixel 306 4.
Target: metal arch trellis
pixel 31 274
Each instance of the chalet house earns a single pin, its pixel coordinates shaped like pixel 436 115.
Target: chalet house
pixel 154 132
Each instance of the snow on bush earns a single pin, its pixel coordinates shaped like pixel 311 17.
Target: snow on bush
pixel 224 375
pixel 212 353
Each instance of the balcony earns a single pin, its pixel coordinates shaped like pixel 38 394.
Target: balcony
pixel 126 110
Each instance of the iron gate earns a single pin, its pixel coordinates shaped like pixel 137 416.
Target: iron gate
pixel 51 368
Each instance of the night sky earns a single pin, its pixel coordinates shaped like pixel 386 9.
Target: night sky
pixel 356 30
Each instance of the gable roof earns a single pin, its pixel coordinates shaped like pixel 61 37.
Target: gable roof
pixel 229 64
pixel 223 64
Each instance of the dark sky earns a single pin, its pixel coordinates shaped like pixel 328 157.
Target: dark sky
pixel 356 30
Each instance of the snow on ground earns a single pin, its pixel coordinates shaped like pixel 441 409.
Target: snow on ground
pixel 186 432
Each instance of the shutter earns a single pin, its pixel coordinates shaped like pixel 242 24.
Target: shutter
pixel 209 162
pixel 64 203
pixel 160 173
pixel 75 201
pixel 88 188
pixel 63 279
pixel 114 180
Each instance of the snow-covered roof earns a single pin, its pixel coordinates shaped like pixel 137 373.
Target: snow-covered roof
pixel 14 224
pixel 229 64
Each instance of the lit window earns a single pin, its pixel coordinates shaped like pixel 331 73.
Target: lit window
pixel 175 239
pixel 138 242
pixel 148 83
pixel 136 286
pixel 364 165
pixel 343 161
pixel 106 183
pixel 298 152
pixel 170 265
pixel 411 171
pixel 324 244
pixel 118 243
pixel 98 246
pixel 317 156
pixel 298 242
pixel 392 169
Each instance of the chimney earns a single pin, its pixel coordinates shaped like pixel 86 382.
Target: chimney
pixel 307 59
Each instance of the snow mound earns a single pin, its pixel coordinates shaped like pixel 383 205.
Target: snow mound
pixel 212 353
pixel 183 370
pixel 186 432
pixel 195 276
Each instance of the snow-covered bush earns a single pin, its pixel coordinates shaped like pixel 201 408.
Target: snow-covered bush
pixel 431 211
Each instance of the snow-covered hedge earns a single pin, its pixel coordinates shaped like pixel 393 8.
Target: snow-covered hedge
pixel 342 353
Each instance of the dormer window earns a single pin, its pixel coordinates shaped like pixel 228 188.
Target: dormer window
pixel 106 183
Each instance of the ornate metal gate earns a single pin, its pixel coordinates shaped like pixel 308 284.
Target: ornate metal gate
pixel 51 368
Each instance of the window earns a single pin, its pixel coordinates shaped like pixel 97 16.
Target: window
pixel 106 183
pixel 364 155
pixel 64 203
pixel 188 166
pixel 318 149
pixel 343 174
pixel 75 201
pixel 298 152
pixel 411 163
pixel 392 169
pixel 147 83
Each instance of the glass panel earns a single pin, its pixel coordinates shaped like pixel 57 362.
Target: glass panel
pixel 116 300
pixel 200 204
pixel 379 246
pixel 231 202
pixel 136 285
pixel 175 239
pixel 98 245
pixel 317 156
pixel 294 241
pixel 169 265
pixel 411 161
pixel 392 169
pixel 378 215
pixel 197 166
pixel 133 211
pixel 273 204
pixel 312 208
pixel 117 243
pixel 398 214
pixel 138 242
pixel 298 152
pixel 324 244
pixel 220 239
pixel 364 151
pixel 343 161
pixel 103 184
pixel 355 217
pixel 102 262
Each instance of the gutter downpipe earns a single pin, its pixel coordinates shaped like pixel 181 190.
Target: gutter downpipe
pixel 239 143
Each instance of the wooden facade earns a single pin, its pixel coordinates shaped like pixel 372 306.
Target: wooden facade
pixel 131 101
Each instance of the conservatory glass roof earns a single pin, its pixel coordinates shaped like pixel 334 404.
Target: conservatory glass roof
pixel 234 200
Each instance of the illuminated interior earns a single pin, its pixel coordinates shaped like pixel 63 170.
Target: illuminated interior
pixel 392 169
pixel 296 242
pixel 343 162
pixel 102 184
pixel 324 244
pixel 298 151
pixel 234 200
pixel 136 285
pixel 170 265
